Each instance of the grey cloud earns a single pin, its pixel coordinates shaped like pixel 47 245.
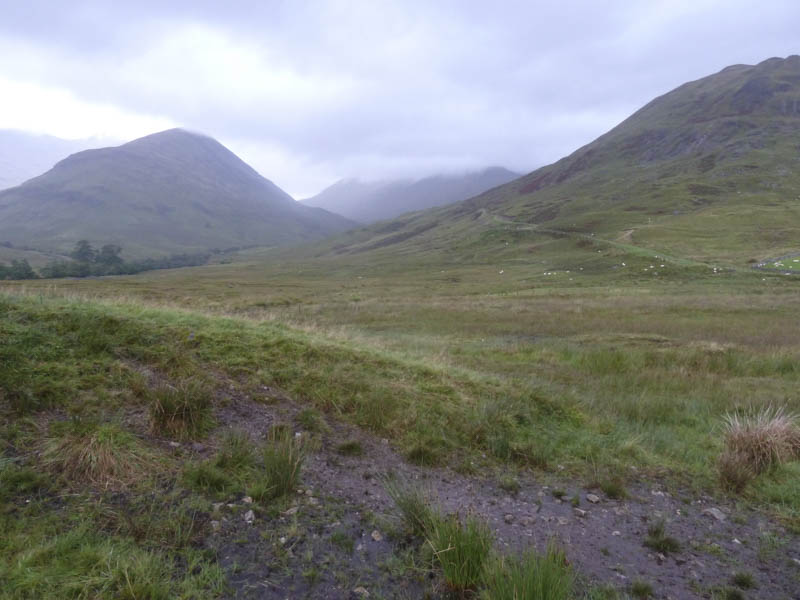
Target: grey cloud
pixel 392 88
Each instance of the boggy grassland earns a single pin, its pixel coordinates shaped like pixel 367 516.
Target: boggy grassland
pixel 576 366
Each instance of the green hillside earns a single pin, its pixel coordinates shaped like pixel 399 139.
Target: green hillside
pixel 708 172
pixel 171 192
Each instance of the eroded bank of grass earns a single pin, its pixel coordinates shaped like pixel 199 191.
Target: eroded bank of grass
pixel 419 405
pixel 602 400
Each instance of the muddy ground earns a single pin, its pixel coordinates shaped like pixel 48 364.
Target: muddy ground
pixel 340 536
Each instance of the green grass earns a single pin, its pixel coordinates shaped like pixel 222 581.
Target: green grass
pixel 641 589
pixel 605 373
pixel 343 541
pixel 743 580
pixel 531 576
pixel 658 540
pixel 99 454
pixel 283 457
pixel 181 410
pixel 73 545
pixel 350 448
pixel 414 505
pixel 461 549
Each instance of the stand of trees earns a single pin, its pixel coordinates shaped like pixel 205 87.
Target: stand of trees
pixel 91 262
pixel 19 269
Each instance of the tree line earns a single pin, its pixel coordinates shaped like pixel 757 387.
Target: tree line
pixel 90 262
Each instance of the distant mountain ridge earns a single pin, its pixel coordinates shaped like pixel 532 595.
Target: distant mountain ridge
pixel 708 171
pixel 24 155
pixel 166 193
pixel 367 202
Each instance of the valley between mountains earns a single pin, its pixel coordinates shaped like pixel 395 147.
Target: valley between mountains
pixel 577 383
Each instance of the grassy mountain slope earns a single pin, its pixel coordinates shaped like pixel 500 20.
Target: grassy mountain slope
pixel 24 155
pixel 367 202
pixel 169 192
pixel 708 171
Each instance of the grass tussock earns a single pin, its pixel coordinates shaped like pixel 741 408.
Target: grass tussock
pixel 461 550
pixel 531 576
pixel 641 589
pixel 756 443
pixel 102 455
pixel 658 540
pixel 414 505
pixel 182 410
pixel 350 448
pixel 743 580
pixel 235 453
pixel 283 455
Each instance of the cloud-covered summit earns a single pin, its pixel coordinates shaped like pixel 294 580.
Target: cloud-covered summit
pixel 315 91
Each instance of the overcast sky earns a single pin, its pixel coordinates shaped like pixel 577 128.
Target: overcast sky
pixel 310 92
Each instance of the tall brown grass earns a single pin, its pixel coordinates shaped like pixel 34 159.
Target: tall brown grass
pixel 757 442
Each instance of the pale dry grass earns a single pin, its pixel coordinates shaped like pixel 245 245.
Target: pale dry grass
pixel 103 456
pixel 757 442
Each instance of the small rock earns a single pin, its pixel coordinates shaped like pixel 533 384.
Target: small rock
pixel 656 493
pixel 313 501
pixel 580 513
pixel 716 513
pixel 660 558
pixel 593 498
pixel 361 592
pixel 680 561
pixel 217 506
pixel 735 541
pixel 215 525
pixel 526 521
pixel 376 535
pixel 616 533
pixel 249 517
pixel 282 540
pixel 247 500
pixel 563 520
pixel 509 518
pixel 359 548
pixel 309 492
pixel 174 445
pixel 289 512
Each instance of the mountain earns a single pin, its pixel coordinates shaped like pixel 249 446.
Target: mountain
pixel 367 202
pixel 170 192
pixel 24 155
pixel 709 171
